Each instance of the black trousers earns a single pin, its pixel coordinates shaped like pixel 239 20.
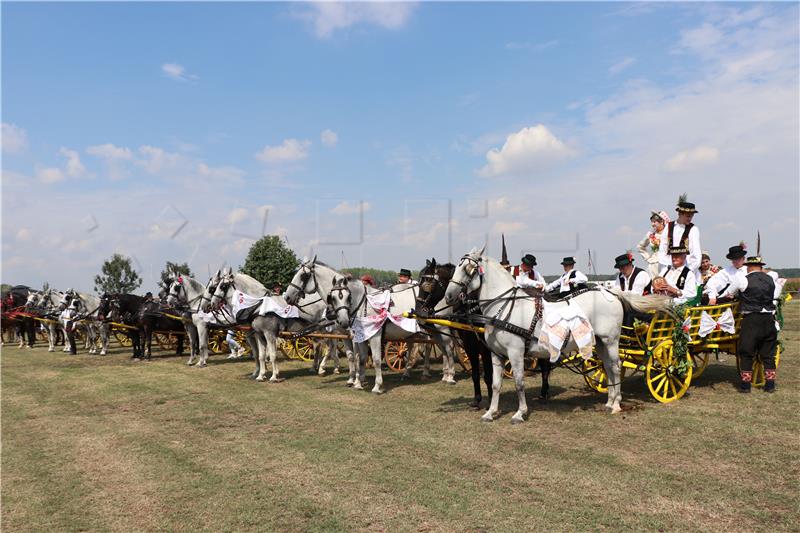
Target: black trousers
pixel 71 339
pixel 758 337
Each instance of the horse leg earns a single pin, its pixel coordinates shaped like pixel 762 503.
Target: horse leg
pixel 609 352
pixel 518 367
pixel 361 365
pixel 261 359
pixel 104 339
pixel 333 352
pixel 411 362
pixel 546 366
pixel 486 359
pixel 377 358
pixel 475 363
pixel 497 381
pixel 272 349
pixel 449 361
pixel 51 337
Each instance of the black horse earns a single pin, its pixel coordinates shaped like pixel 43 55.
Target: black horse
pixel 152 319
pixel 434 280
pixel 433 283
pixel 124 309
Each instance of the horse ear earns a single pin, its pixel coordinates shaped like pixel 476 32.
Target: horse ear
pixel 427 263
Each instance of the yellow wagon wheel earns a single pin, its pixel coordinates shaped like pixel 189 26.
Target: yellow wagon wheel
pixel 167 341
pixel 216 341
pixel 122 338
pixel 301 348
pixel 396 355
pixel 241 338
pixel 668 378
pixel 699 362
pixel 463 359
pixel 594 374
pixel 758 368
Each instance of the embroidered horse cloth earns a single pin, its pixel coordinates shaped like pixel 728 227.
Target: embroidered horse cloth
pixel 366 327
pixel 559 322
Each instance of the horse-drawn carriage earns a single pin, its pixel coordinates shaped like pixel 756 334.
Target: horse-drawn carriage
pixel 672 353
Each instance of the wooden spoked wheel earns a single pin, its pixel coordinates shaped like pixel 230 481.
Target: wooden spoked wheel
pixel 699 362
pixel 396 354
pixel 530 366
pixel 123 339
pixel 463 359
pixel 758 368
pixel 594 374
pixel 216 341
pixel 668 378
pixel 303 349
pixel 241 338
pixel 167 341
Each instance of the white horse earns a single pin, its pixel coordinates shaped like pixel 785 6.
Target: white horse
pixel 266 327
pixel 47 302
pixel 495 290
pixel 187 293
pixel 88 306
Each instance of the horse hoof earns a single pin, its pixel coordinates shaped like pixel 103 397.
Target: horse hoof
pixel 336 371
pixel 487 418
pixel 451 382
pixel 261 378
pixel 358 386
pixel 376 390
pixel 616 410
pixel 517 420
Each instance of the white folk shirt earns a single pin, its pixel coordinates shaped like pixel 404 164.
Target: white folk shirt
pixel 639 283
pixel 689 287
pixel 566 278
pixel 530 280
pixel 719 281
pixel 695 256
pixel 739 284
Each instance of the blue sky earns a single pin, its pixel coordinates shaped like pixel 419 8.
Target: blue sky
pixel 540 120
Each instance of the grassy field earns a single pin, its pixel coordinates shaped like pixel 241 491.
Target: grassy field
pixel 104 443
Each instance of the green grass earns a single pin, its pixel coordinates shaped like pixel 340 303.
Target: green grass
pixel 103 443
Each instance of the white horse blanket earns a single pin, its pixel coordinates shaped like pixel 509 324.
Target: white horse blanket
pixel 561 321
pixel 366 327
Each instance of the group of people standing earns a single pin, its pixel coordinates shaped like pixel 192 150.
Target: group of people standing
pixel 678 267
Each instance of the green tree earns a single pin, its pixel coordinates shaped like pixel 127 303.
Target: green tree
pixel 171 268
pixel 270 261
pixel 117 276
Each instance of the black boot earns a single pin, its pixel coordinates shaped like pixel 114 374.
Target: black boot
pixel 745 383
pixel 769 385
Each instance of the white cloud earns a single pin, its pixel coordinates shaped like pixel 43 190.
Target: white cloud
pixel 351 208
pixel 156 160
pixel 525 151
pixel 329 138
pixel 177 72
pixel 49 174
pixel 694 158
pixel 508 228
pixel 225 173
pixel 74 167
pixel 24 234
pixel 621 65
pixel 237 215
pixel 14 138
pixel 289 150
pixel 328 17
pixel 109 151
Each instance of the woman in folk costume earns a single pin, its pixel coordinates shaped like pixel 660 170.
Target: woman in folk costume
pixel 682 233
pixel 707 268
pixel 648 247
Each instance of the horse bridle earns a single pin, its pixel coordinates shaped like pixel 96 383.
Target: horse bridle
pixel 200 299
pixel 343 287
pixel 304 277
pixel 465 286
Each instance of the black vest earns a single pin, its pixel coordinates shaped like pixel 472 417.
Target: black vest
pixel 684 238
pixel 681 277
pixel 636 271
pixel 759 293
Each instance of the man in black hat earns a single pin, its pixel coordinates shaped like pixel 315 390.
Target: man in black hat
pixel 631 278
pixel 720 281
pixel 759 331
pixel 677 280
pixel 682 233
pixel 527 277
pixel 404 276
pixel 570 279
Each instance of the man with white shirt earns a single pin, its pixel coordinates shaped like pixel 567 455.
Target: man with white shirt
pixel 570 279
pixel 677 280
pixel 757 293
pixel 527 277
pixel 720 281
pixel 404 276
pixel 682 233
pixel 631 278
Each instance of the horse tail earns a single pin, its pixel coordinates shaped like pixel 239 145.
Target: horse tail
pixel 645 304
